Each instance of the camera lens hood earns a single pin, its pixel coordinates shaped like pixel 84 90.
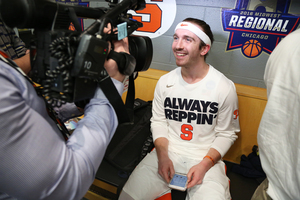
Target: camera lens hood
pixel 141 48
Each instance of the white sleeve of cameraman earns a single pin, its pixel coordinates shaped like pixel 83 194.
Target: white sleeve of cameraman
pixel 70 110
pixel 36 162
pixel 92 136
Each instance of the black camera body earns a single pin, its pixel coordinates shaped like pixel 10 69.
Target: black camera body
pixel 69 65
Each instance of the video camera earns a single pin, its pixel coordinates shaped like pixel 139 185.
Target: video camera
pixel 69 64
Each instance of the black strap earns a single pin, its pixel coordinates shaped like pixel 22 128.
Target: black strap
pixel 126 62
pixel 178 195
pixel 124 112
pixel 130 96
pixel 118 57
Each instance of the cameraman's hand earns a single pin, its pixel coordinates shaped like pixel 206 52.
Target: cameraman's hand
pixel 111 65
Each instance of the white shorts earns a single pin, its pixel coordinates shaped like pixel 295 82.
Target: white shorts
pixel 146 184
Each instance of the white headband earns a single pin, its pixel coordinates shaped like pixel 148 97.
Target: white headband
pixel 194 29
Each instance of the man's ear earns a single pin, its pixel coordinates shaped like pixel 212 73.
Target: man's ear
pixel 204 50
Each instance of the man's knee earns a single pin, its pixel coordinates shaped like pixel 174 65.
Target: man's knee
pixel 125 196
pixel 261 191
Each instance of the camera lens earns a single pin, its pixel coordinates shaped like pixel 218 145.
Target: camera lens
pixel 142 50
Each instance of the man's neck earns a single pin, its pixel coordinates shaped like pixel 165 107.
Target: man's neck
pixel 194 74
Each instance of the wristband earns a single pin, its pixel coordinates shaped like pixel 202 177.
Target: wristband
pixel 212 160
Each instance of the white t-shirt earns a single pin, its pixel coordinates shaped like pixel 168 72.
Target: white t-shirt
pixel 279 131
pixel 195 117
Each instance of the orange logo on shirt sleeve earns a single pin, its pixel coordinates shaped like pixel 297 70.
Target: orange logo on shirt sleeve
pixel 235 114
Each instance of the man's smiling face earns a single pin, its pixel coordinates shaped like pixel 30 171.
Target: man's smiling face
pixel 186 48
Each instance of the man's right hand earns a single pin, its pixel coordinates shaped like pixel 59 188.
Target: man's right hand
pixel 166 169
pixel 119 46
pixel 165 164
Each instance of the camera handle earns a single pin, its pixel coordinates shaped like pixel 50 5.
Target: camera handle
pixel 126 62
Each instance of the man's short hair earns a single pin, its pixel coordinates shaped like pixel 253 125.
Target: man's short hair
pixel 206 30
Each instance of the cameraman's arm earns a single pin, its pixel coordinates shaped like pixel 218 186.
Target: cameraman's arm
pixel 23 54
pixel 36 162
pixel 24 62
